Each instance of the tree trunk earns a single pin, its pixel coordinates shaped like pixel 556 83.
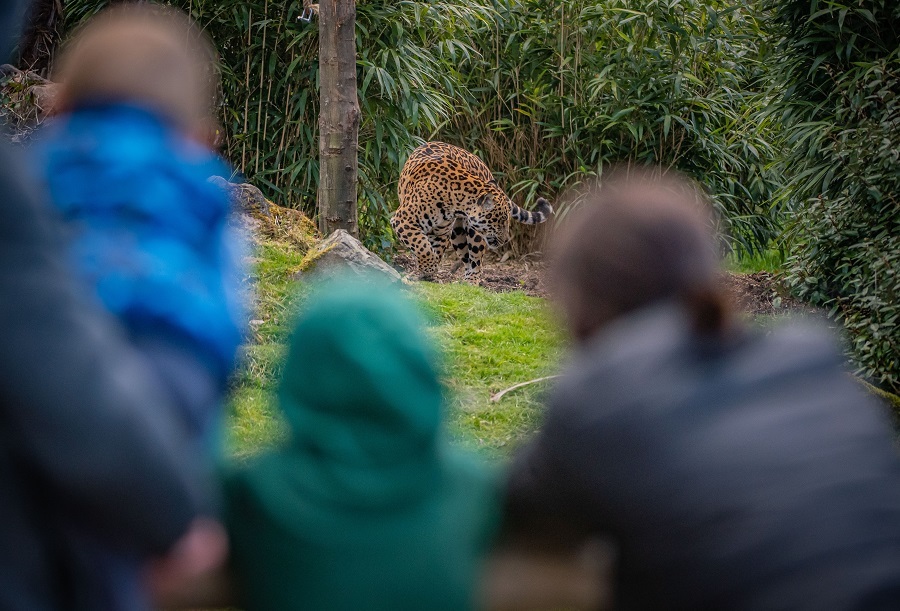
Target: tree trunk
pixel 338 117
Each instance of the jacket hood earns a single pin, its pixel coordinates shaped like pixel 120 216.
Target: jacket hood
pixel 366 507
pixel 360 392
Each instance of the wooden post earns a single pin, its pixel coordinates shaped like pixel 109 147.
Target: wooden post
pixel 338 117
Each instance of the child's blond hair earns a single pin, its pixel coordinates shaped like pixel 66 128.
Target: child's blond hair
pixel 144 54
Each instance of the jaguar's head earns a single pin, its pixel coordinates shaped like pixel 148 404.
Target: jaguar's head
pixel 491 218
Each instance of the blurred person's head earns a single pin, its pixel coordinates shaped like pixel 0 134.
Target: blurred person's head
pixel 640 237
pixel 146 55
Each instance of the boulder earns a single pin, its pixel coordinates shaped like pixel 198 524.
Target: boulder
pixel 244 196
pixel 340 253
pixel 263 219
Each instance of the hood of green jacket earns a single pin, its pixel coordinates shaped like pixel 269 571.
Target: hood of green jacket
pixel 365 506
pixel 361 395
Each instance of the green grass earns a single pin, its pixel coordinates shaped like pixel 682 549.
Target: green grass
pixel 490 341
pixel 253 422
pixel 772 260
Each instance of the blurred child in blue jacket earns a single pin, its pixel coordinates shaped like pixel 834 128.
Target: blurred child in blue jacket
pixel 127 163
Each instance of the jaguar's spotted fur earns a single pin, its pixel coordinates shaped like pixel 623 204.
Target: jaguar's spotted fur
pixel 449 196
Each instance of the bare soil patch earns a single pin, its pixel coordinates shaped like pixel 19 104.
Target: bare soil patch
pixel 759 293
pixel 526 274
pixel 762 293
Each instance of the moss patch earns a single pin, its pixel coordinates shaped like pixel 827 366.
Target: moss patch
pixel 892 400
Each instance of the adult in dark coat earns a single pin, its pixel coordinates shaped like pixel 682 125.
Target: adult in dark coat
pixel 84 440
pixel 734 469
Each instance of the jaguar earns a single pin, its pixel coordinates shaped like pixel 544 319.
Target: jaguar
pixel 448 196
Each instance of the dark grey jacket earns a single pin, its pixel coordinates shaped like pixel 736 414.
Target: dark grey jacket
pixel 85 443
pixel 754 475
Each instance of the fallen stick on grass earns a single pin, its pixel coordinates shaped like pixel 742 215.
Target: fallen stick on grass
pixel 497 396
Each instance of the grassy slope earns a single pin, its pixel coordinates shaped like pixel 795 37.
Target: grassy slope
pixel 252 422
pixel 490 342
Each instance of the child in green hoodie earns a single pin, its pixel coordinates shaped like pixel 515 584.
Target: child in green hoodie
pixel 365 506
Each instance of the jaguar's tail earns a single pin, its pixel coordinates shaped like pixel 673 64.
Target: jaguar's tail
pixel 541 212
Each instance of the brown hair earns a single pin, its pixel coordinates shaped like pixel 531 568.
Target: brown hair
pixel 639 237
pixel 146 54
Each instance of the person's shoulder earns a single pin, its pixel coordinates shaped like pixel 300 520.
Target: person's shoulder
pixel 809 333
pixel 468 466
pixel 194 164
pixel 238 478
pixel 789 347
pixel 114 127
pixel 629 357
pixel 646 336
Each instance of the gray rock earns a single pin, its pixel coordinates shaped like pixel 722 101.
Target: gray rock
pixel 340 253
pixel 244 197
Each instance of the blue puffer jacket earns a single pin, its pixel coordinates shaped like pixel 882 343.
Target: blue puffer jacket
pixel 149 233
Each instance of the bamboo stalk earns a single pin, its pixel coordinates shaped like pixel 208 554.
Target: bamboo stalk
pixel 246 95
pixel 286 120
pixel 269 92
pixel 262 72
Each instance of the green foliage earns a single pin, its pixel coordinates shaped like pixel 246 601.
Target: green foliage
pixel 565 88
pixel 547 92
pixel 840 67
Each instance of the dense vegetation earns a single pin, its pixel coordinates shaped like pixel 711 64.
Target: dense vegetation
pixel 547 92
pixel 564 88
pixel 840 66
pixel 787 110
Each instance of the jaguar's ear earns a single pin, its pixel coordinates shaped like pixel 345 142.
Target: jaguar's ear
pixel 486 202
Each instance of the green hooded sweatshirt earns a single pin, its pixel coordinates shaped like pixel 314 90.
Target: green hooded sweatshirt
pixel 365 507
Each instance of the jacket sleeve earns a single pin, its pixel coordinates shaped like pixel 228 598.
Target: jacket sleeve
pixel 88 427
